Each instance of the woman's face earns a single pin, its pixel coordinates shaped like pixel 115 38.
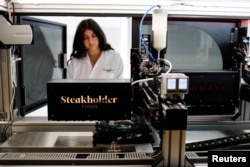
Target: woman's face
pixel 90 40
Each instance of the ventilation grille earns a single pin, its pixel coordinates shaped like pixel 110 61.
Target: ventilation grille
pixel 72 156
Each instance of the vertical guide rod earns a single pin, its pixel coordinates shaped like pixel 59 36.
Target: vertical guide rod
pixel 6 92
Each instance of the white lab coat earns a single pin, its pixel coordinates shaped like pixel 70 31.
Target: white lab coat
pixel 108 66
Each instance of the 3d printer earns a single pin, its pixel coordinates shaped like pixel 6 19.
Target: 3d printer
pixel 159 95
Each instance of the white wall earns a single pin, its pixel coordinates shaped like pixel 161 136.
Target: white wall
pixel 118 31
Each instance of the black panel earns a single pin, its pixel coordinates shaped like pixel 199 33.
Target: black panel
pixel 213 92
pixel 89 100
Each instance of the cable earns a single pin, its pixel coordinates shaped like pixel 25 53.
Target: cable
pixel 140 32
pixel 4 134
pixel 142 80
pixel 167 62
pixel 113 144
pixel 10 17
pixel 150 79
pixel 155 154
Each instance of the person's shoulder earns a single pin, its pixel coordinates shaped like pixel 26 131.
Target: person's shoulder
pixel 77 60
pixel 111 52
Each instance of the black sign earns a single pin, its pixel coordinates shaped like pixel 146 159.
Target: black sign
pixel 89 99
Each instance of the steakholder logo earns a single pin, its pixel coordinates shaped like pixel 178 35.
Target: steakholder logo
pixel 89 100
pixel 95 99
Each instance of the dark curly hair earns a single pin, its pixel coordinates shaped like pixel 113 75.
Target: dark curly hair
pixel 79 49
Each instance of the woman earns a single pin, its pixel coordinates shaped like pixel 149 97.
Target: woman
pixel 92 57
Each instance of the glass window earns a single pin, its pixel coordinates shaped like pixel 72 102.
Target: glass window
pixel 192 48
